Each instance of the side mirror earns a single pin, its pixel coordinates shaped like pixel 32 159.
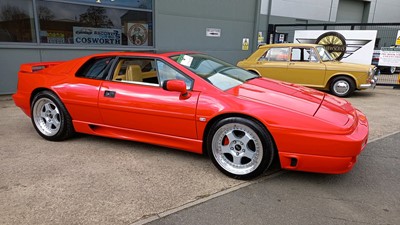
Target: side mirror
pixel 176 85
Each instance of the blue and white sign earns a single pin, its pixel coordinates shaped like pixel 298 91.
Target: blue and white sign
pixel 96 36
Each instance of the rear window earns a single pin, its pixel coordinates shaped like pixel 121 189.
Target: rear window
pixel 275 54
pixel 95 68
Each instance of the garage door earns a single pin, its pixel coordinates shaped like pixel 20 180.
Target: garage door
pixel 350 11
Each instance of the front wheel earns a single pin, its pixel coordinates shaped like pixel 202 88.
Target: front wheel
pixel 240 148
pixel 342 86
pixel 50 117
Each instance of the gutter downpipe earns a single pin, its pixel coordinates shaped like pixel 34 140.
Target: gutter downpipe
pixel 268 34
pixel 256 26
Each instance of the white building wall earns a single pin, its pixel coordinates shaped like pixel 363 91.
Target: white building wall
pixel 300 9
pixel 380 11
pixel 386 11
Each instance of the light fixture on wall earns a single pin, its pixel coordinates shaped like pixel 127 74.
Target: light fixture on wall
pixel 99 1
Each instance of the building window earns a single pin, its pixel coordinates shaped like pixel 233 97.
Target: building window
pixel 139 4
pixel 16 21
pixel 107 23
pixel 98 24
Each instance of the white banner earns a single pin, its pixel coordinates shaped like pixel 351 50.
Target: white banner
pixel 353 46
pixel 389 57
pixel 96 36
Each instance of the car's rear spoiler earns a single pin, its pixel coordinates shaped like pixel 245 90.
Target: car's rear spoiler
pixel 32 67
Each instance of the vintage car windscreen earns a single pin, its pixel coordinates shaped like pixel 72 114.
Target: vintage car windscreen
pixel 221 74
pixel 325 56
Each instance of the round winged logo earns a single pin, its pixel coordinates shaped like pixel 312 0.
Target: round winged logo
pixel 334 43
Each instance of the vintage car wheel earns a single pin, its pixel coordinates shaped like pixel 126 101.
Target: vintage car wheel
pixel 342 86
pixel 50 118
pixel 240 148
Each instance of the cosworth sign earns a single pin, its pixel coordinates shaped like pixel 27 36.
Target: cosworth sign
pixel 96 36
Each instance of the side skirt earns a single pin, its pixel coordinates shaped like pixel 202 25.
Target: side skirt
pixel 186 144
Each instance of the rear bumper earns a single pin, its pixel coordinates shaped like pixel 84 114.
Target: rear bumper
pixel 22 101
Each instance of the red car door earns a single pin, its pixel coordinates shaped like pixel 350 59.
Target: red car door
pixel 148 108
pixel 134 99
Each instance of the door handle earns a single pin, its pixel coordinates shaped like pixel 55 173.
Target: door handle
pixel 109 94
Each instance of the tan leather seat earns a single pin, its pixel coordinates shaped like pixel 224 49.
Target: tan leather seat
pixel 134 73
pixel 119 75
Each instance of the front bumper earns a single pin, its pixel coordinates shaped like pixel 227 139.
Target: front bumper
pixel 372 83
pixel 338 155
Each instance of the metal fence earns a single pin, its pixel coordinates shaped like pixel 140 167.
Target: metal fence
pixel 386 37
pixel 389 80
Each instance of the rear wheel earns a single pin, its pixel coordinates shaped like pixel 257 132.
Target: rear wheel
pixel 240 148
pixel 50 117
pixel 342 86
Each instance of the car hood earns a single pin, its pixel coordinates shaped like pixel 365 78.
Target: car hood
pixel 296 98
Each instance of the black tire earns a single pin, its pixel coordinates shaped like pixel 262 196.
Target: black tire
pixel 342 86
pixel 50 117
pixel 248 147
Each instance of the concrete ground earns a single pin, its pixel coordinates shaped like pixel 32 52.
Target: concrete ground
pixel 94 180
pixel 369 194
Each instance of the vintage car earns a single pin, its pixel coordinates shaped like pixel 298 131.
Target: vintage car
pixel 194 102
pixel 310 65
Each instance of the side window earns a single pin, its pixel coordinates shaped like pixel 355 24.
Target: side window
pixel 135 70
pixel 296 54
pixel 95 68
pixel 275 54
pixel 303 55
pixel 312 55
pixel 166 72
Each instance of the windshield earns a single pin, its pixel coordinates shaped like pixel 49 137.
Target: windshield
pixel 323 54
pixel 220 74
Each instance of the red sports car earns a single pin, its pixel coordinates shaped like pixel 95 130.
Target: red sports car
pixel 194 102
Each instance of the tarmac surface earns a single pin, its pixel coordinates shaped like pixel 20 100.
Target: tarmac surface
pixel 369 194
pixel 94 180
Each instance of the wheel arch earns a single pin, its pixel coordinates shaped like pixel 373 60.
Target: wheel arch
pixel 227 115
pixel 254 71
pixel 328 84
pixel 38 90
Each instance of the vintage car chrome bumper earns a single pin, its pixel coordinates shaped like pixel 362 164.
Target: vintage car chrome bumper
pixel 372 83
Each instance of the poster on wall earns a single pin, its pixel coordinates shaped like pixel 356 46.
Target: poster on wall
pixel 96 36
pixel 245 44
pixel 138 34
pixel 213 32
pixel 354 46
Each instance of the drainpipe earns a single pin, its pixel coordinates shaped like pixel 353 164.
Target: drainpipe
pixel 256 25
pixel 267 35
